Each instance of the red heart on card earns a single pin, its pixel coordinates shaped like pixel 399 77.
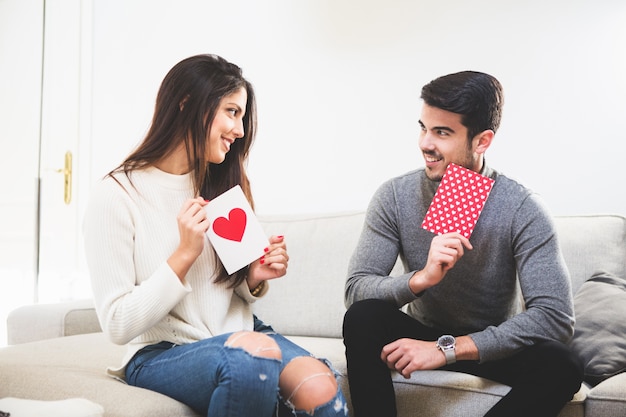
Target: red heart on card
pixel 233 227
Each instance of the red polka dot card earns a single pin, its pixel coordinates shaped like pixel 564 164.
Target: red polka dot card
pixel 458 202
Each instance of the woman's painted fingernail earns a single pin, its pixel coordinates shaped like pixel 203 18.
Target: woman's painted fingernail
pixel 266 249
pixel 280 236
pixel 262 261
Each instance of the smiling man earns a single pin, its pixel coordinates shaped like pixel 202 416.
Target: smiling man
pixel 462 299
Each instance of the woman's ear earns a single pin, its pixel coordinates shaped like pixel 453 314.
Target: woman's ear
pixel 483 141
pixel 181 105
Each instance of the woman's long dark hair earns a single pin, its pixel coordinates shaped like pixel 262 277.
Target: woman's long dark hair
pixel 186 104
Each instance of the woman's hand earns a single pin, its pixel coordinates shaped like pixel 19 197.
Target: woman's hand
pixel 192 227
pixel 271 265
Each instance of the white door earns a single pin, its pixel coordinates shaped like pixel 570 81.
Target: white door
pixel 41 108
pixel 65 119
pixel 21 34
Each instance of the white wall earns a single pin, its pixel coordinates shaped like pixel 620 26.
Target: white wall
pixel 338 86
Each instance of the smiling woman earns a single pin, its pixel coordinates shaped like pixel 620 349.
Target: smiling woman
pixel 159 287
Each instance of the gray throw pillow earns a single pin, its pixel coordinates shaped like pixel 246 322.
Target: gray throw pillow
pixel 600 331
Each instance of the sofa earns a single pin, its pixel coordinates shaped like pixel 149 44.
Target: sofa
pixel 57 351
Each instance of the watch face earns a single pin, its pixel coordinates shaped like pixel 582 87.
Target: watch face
pixel 445 341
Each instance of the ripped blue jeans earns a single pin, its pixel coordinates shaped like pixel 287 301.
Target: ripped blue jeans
pixel 220 381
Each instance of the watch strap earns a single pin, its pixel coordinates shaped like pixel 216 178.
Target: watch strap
pixel 450 354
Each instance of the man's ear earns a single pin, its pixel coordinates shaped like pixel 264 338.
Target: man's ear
pixel 483 141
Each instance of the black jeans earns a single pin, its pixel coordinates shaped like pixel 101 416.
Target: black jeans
pixel 543 378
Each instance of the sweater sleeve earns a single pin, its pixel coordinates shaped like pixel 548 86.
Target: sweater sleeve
pixel 126 308
pixel 376 254
pixel 548 312
pixel 243 292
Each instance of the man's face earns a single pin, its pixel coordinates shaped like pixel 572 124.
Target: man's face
pixel 443 139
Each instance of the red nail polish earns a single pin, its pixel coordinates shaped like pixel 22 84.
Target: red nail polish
pixel 262 261
pixel 266 249
pixel 280 236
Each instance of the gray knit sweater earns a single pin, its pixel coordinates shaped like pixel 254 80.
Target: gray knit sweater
pixel 515 253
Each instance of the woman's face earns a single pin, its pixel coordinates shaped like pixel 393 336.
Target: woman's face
pixel 227 125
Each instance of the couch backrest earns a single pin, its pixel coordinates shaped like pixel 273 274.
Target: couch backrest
pixel 591 243
pixel 308 301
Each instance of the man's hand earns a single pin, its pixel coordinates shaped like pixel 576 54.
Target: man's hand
pixel 408 355
pixel 445 251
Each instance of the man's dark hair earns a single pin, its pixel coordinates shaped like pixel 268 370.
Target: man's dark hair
pixel 476 96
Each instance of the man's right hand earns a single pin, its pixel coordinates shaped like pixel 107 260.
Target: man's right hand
pixel 445 251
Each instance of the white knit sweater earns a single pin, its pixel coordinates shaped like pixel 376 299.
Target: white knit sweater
pixel 129 234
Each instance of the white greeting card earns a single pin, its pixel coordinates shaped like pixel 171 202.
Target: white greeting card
pixel 235 231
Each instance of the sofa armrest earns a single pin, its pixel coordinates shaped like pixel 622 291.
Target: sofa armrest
pixel 45 321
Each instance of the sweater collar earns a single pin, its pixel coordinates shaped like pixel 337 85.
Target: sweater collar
pixel 171 181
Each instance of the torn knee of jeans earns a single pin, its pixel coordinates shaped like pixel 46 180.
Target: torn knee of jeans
pixel 308 384
pixel 326 362
pixel 256 344
pixel 338 404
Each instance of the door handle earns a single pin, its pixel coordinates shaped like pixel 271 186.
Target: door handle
pixel 67 178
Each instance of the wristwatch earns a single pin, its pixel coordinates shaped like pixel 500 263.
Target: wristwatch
pixel 447 344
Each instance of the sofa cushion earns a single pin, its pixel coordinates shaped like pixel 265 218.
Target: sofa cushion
pixel 600 331
pixel 591 243
pixel 308 300
pixel 608 398
pixel 74 366
pixel 52 320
